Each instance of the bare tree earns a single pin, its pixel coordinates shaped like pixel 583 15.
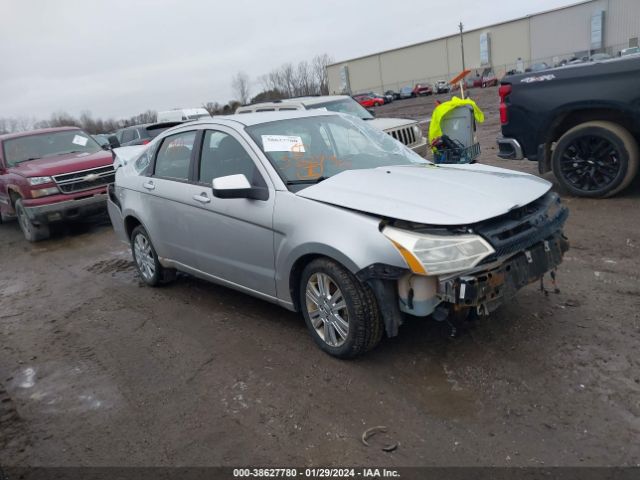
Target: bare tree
pixel 321 77
pixel 240 86
pixel 212 108
pixel 288 80
pixel 63 119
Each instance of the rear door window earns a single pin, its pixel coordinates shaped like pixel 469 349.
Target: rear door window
pixel 174 156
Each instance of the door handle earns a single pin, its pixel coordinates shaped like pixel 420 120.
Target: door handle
pixel 149 185
pixel 202 198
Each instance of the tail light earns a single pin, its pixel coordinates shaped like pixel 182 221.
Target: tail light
pixel 144 142
pixel 504 91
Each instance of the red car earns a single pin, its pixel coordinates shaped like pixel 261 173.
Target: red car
pixel 367 101
pixel 422 89
pixel 52 175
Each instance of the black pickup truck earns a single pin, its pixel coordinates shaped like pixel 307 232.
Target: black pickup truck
pixel 581 121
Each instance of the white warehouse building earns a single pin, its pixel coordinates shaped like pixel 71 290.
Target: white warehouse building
pixel 578 30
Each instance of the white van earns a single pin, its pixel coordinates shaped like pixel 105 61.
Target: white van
pixel 182 115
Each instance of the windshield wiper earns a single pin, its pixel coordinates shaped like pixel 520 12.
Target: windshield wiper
pixel 309 181
pixel 67 153
pixel 26 160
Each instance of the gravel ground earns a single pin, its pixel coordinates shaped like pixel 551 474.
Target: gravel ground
pixel 97 369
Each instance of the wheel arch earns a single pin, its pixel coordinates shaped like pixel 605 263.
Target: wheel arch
pixel 573 118
pixel 131 222
pixel 565 121
pixel 306 256
pixel 14 194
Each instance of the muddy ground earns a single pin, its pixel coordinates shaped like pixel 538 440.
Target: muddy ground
pixel 97 369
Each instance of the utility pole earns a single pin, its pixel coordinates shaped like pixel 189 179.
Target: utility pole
pixel 462 43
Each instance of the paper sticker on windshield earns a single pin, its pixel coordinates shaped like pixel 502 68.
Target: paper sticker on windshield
pixel 80 140
pixel 282 143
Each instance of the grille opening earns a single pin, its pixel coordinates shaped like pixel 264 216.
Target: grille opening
pixel 514 231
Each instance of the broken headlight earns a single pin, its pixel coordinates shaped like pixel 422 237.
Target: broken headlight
pixel 428 254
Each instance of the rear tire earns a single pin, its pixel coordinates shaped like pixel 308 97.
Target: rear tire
pixel 328 289
pixel 146 261
pixel 31 232
pixel 579 161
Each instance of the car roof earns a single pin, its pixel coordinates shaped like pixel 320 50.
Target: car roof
pixel 314 100
pixel 40 131
pixel 294 101
pixel 255 118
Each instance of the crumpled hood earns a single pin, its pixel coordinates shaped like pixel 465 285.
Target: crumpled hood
pixel 430 194
pixel 47 166
pixel 390 123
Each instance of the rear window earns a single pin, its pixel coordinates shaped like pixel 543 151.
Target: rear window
pixel 153 132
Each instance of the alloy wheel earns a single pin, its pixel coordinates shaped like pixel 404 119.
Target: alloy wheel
pixel 590 162
pixel 327 309
pixel 144 256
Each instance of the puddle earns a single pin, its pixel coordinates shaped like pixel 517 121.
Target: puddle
pixel 57 389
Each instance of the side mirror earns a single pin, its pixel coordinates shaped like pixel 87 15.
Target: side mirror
pixel 106 146
pixel 371 111
pixel 113 142
pixel 237 186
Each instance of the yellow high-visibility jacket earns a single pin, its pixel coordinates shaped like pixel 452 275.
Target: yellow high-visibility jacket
pixel 435 129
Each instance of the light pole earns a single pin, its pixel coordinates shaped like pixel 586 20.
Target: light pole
pixel 462 43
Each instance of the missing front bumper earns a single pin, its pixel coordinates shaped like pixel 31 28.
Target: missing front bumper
pixel 488 289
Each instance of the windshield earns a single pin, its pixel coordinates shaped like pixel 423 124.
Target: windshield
pixel 307 150
pixel 42 145
pixel 345 105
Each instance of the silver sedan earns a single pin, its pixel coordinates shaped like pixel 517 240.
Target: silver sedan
pixel 325 215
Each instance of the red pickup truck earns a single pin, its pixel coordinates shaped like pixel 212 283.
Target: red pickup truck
pixel 52 175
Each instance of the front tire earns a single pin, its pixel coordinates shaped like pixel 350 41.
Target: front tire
pixel 33 233
pixel 145 259
pixel 595 159
pixel 341 313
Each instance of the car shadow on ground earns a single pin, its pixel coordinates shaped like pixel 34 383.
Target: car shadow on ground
pixel 60 231
pixel 417 336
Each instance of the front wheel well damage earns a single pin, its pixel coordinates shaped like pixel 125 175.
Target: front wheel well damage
pixel 380 279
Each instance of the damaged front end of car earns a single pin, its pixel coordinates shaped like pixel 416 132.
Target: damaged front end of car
pixel 471 268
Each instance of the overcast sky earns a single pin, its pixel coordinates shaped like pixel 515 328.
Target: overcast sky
pixel 120 57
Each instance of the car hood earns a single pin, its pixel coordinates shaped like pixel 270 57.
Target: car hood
pixel 47 166
pixel 390 123
pixel 430 194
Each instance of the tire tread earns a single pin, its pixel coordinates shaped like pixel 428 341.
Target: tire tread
pixel 364 316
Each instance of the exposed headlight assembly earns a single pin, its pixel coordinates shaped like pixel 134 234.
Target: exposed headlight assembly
pixel 428 254
pixel 40 180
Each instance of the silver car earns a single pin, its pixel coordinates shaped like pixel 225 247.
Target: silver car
pixel 325 215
